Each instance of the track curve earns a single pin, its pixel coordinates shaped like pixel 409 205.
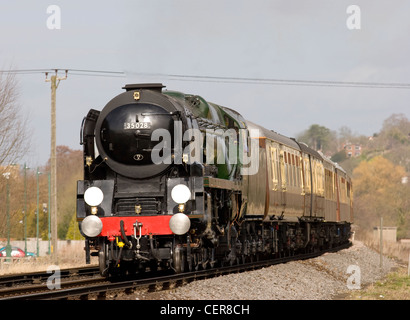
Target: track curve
pixel 100 286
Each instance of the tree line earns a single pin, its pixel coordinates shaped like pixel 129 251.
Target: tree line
pixel 381 185
pixel 28 195
pixel 24 191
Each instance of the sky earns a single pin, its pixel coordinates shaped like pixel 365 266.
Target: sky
pixel 215 41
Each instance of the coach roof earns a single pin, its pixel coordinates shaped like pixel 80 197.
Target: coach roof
pixel 272 135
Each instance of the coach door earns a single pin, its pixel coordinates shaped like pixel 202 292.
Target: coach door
pixel 318 182
pixel 257 196
pixel 276 196
pixel 307 184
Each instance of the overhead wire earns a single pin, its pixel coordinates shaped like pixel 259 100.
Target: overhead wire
pixel 97 75
pixel 303 84
pixel 220 79
pixel 320 83
pixel 80 72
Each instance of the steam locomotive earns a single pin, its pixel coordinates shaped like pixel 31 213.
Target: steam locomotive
pixel 174 181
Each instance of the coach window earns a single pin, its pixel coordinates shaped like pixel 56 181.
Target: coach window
pixel 292 158
pixel 293 168
pixel 307 175
pixel 328 185
pixel 321 170
pixel 332 184
pixel 317 177
pixel 289 169
pixel 285 160
pixel 297 171
pixel 286 168
pixel 320 178
pixel 300 172
pixel 314 175
pixel 283 170
pixel 277 165
pixel 342 190
pixel 275 168
pixel 290 175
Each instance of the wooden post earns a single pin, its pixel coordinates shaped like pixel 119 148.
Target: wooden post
pixel 408 267
pixel 55 81
pixel 381 243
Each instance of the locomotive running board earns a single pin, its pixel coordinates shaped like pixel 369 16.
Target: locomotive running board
pixel 222 183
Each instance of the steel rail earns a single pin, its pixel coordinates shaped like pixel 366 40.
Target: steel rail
pixel 39 276
pixel 10 293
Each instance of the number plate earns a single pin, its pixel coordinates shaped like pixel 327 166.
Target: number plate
pixel 137 125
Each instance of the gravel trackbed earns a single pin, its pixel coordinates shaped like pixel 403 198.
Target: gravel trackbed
pixel 326 277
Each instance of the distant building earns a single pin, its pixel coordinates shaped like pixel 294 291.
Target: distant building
pixel 389 234
pixel 352 150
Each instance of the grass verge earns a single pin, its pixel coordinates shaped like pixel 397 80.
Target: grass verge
pixel 396 286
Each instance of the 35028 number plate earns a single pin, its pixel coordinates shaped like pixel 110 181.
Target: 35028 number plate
pixel 137 125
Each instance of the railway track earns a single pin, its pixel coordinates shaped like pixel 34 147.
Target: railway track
pixel 82 288
pixel 8 281
pixel 20 284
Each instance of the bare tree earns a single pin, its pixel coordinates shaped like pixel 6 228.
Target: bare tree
pixel 14 139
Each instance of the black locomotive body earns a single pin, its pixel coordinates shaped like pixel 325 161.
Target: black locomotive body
pixel 178 182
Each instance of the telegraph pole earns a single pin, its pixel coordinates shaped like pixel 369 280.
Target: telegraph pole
pixel 55 81
pixel 381 243
pixel 25 208
pixel 38 211
pixel 8 247
pixel 49 216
